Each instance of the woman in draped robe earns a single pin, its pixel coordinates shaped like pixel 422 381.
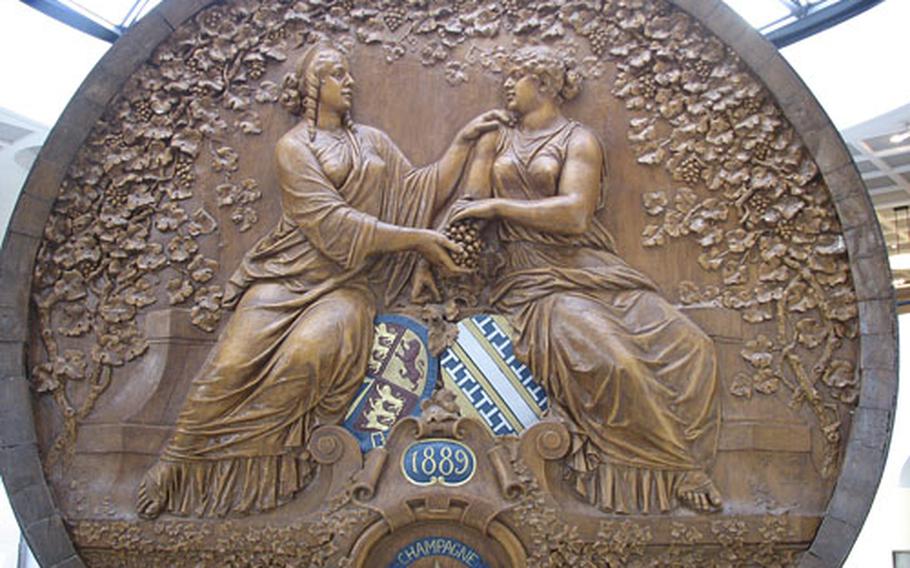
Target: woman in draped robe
pixel 295 350
pixel 634 377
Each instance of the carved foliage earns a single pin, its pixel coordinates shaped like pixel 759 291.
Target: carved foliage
pixel 750 195
pixel 225 543
pixel 128 226
pixel 552 542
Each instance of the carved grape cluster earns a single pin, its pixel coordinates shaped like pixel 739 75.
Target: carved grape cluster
pixel 467 234
pixel 690 170
pixel 143 110
pixel 393 18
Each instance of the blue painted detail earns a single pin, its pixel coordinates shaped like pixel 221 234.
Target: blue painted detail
pixel 503 345
pixel 481 367
pixel 490 382
pixel 435 546
pixel 477 394
pixel 437 461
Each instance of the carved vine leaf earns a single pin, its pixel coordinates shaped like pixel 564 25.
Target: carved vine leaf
pixel 239 197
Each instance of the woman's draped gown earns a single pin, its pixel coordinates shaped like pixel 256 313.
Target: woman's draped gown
pixel 295 351
pixel 633 375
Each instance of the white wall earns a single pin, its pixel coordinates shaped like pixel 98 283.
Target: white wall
pixel 15 161
pixel 888 526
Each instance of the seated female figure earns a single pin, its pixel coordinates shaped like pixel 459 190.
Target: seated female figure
pixel 634 378
pixel 295 350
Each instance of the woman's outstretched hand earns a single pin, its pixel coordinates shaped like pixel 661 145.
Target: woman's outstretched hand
pixel 480 209
pixel 435 247
pixel 423 285
pixel 483 123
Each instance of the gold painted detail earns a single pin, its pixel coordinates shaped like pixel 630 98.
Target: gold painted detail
pixel 383 411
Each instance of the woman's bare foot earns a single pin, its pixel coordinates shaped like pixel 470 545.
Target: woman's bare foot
pixel 149 497
pixel 697 492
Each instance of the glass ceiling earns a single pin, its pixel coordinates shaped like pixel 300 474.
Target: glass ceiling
pixel 103 19
pixel 785 22
pixel 768 16
pixel 112 13
pixel 762 13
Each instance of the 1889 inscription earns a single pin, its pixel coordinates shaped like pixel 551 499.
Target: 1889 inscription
pixel 438 461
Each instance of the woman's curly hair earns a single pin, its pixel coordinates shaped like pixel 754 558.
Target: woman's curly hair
pixel 555 71
pixel 300 90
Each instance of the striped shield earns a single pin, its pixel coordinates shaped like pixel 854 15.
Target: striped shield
pixel 490 383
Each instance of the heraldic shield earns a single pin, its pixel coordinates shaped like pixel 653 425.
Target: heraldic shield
pixel 480 367
pixel 401 373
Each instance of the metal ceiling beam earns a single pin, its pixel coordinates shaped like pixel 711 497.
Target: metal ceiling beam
pixel 818 20
pixel 65 14
pixel 133 14
pixel 809 22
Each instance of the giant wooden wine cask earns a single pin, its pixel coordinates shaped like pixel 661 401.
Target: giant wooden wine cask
pixel 281 290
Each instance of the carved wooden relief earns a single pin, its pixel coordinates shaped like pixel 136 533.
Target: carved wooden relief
pixel 444 284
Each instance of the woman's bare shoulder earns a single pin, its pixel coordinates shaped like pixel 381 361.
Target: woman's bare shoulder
pixel 584 142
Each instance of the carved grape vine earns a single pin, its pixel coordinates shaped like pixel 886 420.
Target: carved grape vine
pixel 125 231
pixel 554 543
pixel 750 195
pixel 123 236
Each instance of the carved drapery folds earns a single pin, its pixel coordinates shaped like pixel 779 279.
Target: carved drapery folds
pixel 175 182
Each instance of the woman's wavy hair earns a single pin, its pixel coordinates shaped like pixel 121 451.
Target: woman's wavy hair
pixel 555 71
pixel 300 92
